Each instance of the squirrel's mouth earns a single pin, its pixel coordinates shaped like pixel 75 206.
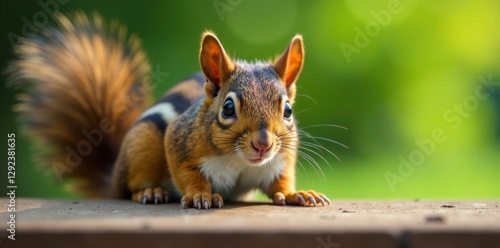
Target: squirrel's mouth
pixel 260 159
pixel 256 161
pixel 256 157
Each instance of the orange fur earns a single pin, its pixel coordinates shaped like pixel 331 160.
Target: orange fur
pixel 285 183
pixel 189 89
pixel 203 146
pixel 237 134
pixel 85 76
pixel 141 171
pixel 142 162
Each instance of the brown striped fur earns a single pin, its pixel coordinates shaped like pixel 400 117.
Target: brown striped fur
pixel 141 163
pixel 89 84
pixel 141 171
pixel 203 144
pixel 79 76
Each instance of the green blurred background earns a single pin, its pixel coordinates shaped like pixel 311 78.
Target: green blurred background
pixel 392 72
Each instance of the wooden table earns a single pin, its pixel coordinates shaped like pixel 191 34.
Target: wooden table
pixel 120 223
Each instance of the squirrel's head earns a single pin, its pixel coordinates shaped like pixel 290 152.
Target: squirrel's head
pixel 249 105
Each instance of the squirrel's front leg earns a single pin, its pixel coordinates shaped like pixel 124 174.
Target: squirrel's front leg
pixel 282 191
pixel 196 189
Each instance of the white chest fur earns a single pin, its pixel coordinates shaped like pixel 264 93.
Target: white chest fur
pixel 233 178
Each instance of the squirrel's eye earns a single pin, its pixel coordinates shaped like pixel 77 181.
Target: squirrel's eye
pixel 228 109
pixel 288 111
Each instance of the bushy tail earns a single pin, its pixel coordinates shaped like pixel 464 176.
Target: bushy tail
pixel 86 84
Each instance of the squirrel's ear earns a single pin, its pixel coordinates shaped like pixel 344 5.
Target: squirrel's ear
pixel 215 63
pixel 289 64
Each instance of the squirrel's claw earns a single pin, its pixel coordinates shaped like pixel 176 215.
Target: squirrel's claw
pixel 282 200
pixel 302 201
pixel 202 201
pixel 149 195
pixel 312 200
pixel 279 199
pixel 327 200
pixel 217 200
pixel 320 197
pixel 160 196
pixel 299 198
pixel 157 199
pixel 199 198
pixel 183 204
pixel 322 201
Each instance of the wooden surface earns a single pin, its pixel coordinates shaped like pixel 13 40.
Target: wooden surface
pixel 120 223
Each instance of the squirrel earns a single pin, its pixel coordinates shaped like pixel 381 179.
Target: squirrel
pixel 214 137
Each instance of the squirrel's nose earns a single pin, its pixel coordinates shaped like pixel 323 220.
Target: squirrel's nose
pixel 261 146
pixel 262 141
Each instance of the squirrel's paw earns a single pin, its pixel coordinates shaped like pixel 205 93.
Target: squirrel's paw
pixel 301 197
pixel 202 200
pixel 149 195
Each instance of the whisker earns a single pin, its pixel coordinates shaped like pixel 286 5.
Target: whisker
pixel 305 134
pixel 293 152
pixel 319 147
pixel 317 154
pixel 303 168
pixel 227 158
pixel 310 98
pixel 313 163
pixel 302 111
pixel 324 125
pixel 315 146
pixel 326 139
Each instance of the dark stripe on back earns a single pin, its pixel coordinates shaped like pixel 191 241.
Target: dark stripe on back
pixel 178 100
pixel 157 120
